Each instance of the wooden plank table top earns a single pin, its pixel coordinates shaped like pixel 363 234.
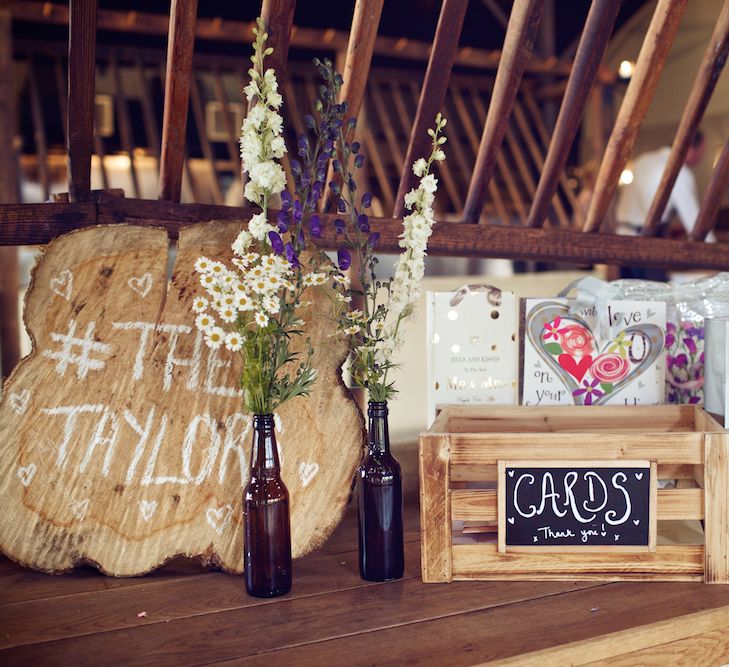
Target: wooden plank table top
pixel 185 615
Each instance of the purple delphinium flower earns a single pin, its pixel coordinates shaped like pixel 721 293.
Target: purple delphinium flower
pixel 340 225
pixel 374 238
pixel 283 221
pixel 276 242
pixel 363 223
pixel 292 256
pixel 344 258
pixel 315 226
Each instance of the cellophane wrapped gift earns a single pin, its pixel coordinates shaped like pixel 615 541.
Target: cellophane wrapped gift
pixel 687 305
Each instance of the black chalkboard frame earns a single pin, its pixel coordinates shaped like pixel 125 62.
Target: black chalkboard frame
pixel 650 466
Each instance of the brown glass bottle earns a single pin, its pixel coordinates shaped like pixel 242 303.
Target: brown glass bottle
pixel 379 493
pixel 267 546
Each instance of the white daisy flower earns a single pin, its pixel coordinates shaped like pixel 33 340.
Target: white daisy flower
pixel 217 268
pixel 199 304
pixel 207 280
pixel 350 331
pixel 233 342
pixel 271 305
pixel 204 322
pixel 344 298
pixel 202 264
pixel 261 319
pixel 214 337
pixel 228 314
pixel 243 302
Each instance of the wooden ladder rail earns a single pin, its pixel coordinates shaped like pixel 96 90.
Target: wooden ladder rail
pixel 642 86
pixel 592 45
pixel 709 211
pixel 711 66
pixel 180 47
pixel 518 43
pixel 433 92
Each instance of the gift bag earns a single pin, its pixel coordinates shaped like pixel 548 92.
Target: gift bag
pixel 687 305
pixel 472 347
pixel 596 349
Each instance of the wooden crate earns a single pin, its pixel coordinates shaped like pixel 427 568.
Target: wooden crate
pixel 459 458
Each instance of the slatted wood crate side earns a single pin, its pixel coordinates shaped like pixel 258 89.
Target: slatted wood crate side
pixel 666 563
pixel 435 509
pixel 716 499
pixel 480 449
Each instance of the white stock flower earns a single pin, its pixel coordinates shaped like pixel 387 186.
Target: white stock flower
pixel 242 243
pixel 259 227
pixel 419 167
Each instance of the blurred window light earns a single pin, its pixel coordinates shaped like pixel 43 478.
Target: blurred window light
pixel 626 177
pixel 626 69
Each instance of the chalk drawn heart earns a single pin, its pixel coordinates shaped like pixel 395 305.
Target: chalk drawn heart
pixel 26 473
pixel 511 473
pixel 19 401
pixel 142 284
pixel 650 313
pixel 577 369
pixel 219 517
pixel 307 472
pixel 511 520
pixel 62 284
pixel 648 339
pixel 147 508
pixel 79 508
pixel 636 521
pixel 639 475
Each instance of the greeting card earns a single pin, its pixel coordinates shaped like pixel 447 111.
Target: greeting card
pixel 472 348
pixel 604 353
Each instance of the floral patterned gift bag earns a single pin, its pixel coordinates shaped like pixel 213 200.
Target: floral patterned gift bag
pixel 687 305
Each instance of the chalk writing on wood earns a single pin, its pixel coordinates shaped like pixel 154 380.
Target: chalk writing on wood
pixel 573 505
pixel 122 438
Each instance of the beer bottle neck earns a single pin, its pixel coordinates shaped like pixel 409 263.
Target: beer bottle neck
pixel 265 451
pixel 378 431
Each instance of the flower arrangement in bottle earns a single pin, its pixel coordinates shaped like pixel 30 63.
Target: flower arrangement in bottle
pixel 252 307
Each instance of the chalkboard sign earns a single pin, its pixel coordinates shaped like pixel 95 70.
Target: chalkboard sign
pixel 575 505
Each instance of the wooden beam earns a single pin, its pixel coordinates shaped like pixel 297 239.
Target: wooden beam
pixel 498 13
pixel 216 29
pixel 81 87
pixel 278 15
pixel 9 190
pixel 709 211
pixel 698 99
pixel 518 43
pixel 230 132
pixel 180 45
pixel 638 96
pixel 360 47
pixel 433 92
pixel 595 36
pixel 39 223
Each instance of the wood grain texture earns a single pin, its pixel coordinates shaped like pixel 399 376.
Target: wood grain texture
pixel 518 43
pixel 703 86
pixel 651 59
pixel 435 509
pixel 81 87
pixel 716 498
pixel 180 44
pixel 709 212
pixel 483 561
pixel 591 48
pixel 9 189
pixel 31 224
pixel 153 463
pixel 433 92
pixel 650 644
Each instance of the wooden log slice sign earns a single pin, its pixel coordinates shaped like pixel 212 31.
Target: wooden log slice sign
pixel 123 441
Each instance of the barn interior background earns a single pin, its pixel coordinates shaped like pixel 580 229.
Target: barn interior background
pixel 547 102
